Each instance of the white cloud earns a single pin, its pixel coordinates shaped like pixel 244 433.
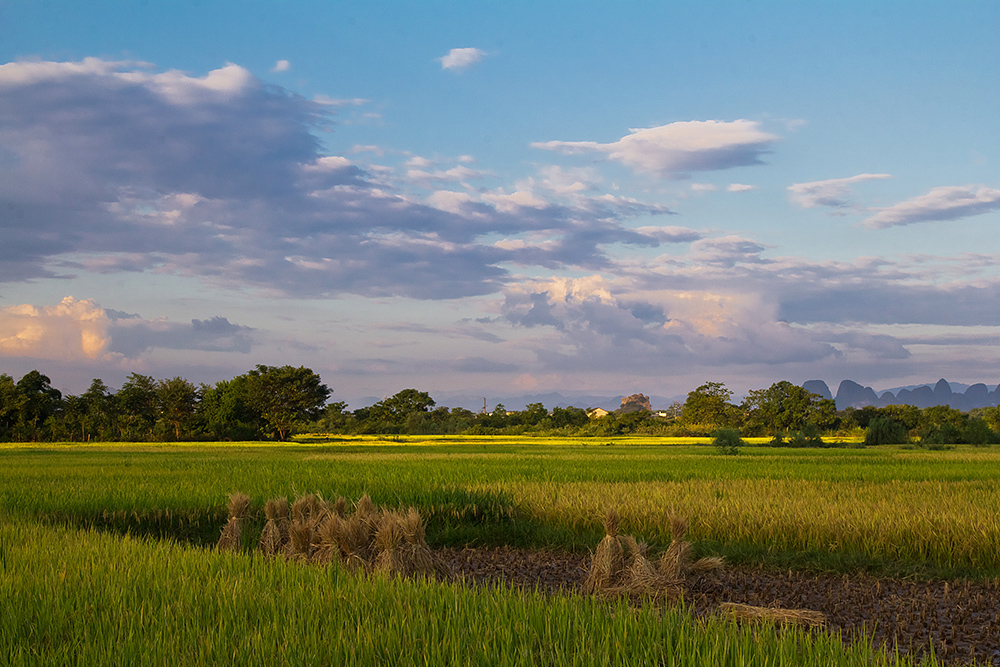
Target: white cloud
pixel 328 101
pixel 702 188
pixel 73 329
pixel 740 187
pixel 833 192
pixel 281 66
pixel 941 203
pixel 676 149
pixel 80 329
pixel 459 59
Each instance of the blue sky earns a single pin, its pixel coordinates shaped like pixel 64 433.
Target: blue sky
pixel 487 197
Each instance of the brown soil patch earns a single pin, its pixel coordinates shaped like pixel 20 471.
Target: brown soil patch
pixel 960 619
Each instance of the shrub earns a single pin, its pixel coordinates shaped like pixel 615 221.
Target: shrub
pixel 885 431
pixel 940 437
pixel 978 433
pixel 807 437
pixel 728 441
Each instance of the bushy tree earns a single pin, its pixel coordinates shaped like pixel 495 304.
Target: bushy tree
pixel 885 431
pixel 977 432
pixel 285 396
pixel 177 400
pixel 782 407
pixel 727 441
pixel 709 404
pixel 225 411
pixel 36 401
pixel 138 407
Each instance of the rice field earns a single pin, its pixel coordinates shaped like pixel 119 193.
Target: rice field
pixel 84 597
pixel 102 547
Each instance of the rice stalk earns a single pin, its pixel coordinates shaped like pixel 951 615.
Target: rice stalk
pixel 745 612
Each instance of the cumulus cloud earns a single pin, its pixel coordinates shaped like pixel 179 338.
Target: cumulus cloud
pixel 740 187
pixel 834 192
pixel 941 203
pixel 609 325
pixel 113 166
pixel 281 66
pixel 460 59
pixel 72 329
pixel 677 149
pixel 80 329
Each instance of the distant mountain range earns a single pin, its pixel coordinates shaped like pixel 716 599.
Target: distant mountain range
pixel 853 395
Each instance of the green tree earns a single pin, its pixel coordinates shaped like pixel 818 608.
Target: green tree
pixel 137 404
pixel 405 410
pixel 885 431
pixel 10 406
pixel 177 399
pixel 225 411
pixel 727 441
pixel 709 404
pixel 99 403
pixel 38 401
pixel 286 396
pixel 781 408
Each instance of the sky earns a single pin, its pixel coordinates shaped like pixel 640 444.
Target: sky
pixel 493 198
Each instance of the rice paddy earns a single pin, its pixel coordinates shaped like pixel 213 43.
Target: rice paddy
pixel 97 541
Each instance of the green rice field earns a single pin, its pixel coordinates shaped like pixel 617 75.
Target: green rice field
pixel 104 558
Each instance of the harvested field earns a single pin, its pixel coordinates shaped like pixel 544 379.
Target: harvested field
pixel 961 619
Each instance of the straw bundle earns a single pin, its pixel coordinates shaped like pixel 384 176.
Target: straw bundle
pixel 609 558
pixel 340 507
pixel 389 554
pixel 745 612
pixel 620 565
pixel 231 538
pixel 325 540
pixel 321 532
pixel 299 547
pixel 419 556
pixel 275 535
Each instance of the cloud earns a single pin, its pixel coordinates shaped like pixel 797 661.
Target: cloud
pixel 941 203
pixel 740 187
pixel 222 177
pixel 482 365
pixel 80 329
pixel 72 329
pixel 281 66
pixel 460 59
pixel 677 149
pixel 834 192
pixel 607 326
pixel 727 251
pixel 133 336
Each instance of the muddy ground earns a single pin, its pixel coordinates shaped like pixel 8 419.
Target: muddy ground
pixel 961 619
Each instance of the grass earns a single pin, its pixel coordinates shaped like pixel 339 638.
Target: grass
pixel 884 510
pixel 83 597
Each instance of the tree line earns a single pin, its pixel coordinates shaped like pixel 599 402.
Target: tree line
pixel 272 402
pixel 266 402
pixel 792 415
